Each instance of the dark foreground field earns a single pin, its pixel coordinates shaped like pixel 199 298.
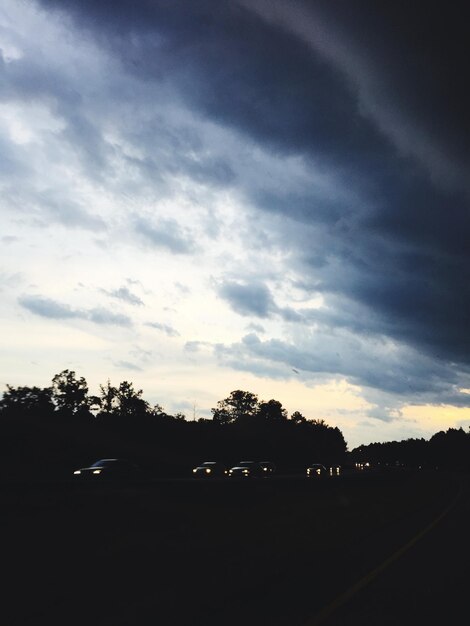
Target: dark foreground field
pixel 273 551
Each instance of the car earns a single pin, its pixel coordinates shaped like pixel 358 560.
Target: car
pixel 209 469
pixel 246 469
pixel 316 470
pixel 109 469
pixel 335 470
pixel 268 467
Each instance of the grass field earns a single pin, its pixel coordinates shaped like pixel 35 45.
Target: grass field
pixel 184 552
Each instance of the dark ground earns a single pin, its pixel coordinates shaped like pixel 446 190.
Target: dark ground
pixel 273 551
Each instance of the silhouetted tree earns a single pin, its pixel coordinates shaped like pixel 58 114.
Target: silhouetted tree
pixel 271 411
pixel 106 402
pixel 130 402
pixel 69 393
pixel 27 400
pixel 238 406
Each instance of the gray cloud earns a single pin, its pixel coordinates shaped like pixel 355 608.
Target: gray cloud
pixel 165 328
pixel 9 239
pixel 374 364
pixel 124 294
pixel 196 346
pixel 168 235
pixel 104 316
pixel 51 309
pixel 254 298
pixel 256 328
pixel 248 299
pixel 46 307
pixel 65 211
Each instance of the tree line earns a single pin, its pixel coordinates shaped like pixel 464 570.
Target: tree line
pixel 63 424
pixel 444 450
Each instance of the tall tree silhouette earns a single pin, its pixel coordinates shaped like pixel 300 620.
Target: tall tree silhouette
pixel 130 403
pixel 69 393
pixel 237 407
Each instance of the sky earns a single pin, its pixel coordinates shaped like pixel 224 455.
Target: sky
pixel 240 194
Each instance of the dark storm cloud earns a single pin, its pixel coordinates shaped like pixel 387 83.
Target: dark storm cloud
pixel 374 93
pixel 51 309
pixel 254 299
pixel 401 372
pixel 167 234
pixel 248 299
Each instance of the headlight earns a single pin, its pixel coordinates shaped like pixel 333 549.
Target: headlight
pixel 194 470
pixel 77 472
pixel 265 469
pixel 319 471
pixel 208 471
pixel 308 471
pixel 97 471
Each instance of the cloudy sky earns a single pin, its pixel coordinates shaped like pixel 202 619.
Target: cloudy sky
pixel 201 196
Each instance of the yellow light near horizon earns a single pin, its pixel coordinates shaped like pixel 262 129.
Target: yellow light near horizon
pixel 437 417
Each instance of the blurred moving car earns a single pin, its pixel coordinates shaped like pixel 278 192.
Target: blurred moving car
pixel 268 467
pixel 335 470
pixel 109 469
pixel 209 469
pixel 246 469
pixel 316 470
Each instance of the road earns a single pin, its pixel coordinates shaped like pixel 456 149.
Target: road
pixel 282 552
pixel 425 582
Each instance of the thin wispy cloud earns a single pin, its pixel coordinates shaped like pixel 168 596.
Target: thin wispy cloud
pixel 164 328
